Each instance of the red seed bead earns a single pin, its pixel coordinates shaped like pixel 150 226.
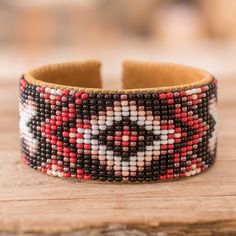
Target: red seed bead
pixel 87 177
pixel 80 146
pixel 60 168
pixel 84 95
pixel 133 138
pixel 66 174
pixel 73 160
pixel 65 134
pixel 58 98
pixel 170 101
pixel 80 176
pixel 80 171
pixel 46 96
pixel 87 126
pixel 48 166
pixel 78 101
pixel 73 130
pixel 71 115
pixel 125 144
pixel 117 138
pixel 66 150
pixel 169 95
pixel 65 118
pixel 78 94
pixel 87 146
pixel 42 89
pixel 162 177
pixel 162 95
pixel 65 92
pixel 126 132
pixel 72 140
pixel 170 176
pixel 72 154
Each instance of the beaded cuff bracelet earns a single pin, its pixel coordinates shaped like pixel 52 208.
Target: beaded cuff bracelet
pixel 162 125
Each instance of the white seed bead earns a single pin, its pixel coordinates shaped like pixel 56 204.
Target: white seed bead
pixel 125 168
pixel 125 163
pixel 177 135
pixel 101 152
pixel 141 118
pixel 72 135
pixel 118 118
pixel 133 118
pixel 133 113
pixel 47 90
pixel 93 122
pixel 102 127
pixel 53 91
pixel 110 158
pixel 94 147
pixel 109 152
pixel 171 141
pixel 102 147
pixel 110 118
pixel 117 113
pixel 117 167
pixel 93 141
pixel 59 92
pixel 148 127
pixel 148 122
pixel 87 136
pixel 140 158
pixel 140 122
pixel 164 131
pixel 109 123
pixel 125 113
pixel 95 132
pixel 149 152
pixel 125 109
pixel 133 158
pixel 140 154
pixel 157 145
pixel 132 163
pixel 125 138
pixel 149 148
pixel 80 130
pixel 163 141
pixel 80 140
pixel 101 122
pixel 117 163
pixel 156 127
pixel 87 131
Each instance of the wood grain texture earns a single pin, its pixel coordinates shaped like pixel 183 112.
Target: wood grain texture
pixel 31 202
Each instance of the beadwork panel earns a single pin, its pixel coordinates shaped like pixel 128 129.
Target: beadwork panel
pixel 118 137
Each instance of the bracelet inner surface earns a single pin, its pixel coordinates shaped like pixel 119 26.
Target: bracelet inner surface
pixel 136 76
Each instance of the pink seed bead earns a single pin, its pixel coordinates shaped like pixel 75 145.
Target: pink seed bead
pixel 125 173
pixel 133 168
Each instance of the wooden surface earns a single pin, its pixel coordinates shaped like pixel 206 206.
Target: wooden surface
pixel 31 202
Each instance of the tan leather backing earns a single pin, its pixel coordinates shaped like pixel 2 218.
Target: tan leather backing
pixel 137 77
